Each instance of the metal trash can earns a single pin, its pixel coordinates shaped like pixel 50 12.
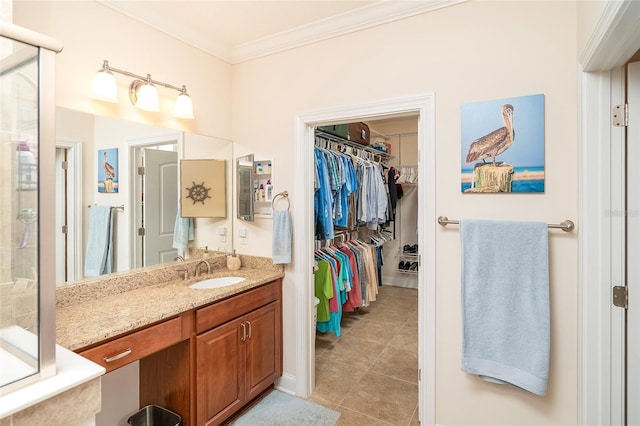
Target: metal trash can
pixel 152 415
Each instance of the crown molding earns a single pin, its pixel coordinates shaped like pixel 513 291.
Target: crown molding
pixel 354 20
pixel 378 13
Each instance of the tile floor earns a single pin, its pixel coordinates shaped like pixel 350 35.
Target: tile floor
pixel 370 373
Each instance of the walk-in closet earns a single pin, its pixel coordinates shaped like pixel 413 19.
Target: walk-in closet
pixel 367 265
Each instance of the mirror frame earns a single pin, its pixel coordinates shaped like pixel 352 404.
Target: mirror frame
pixel 244 188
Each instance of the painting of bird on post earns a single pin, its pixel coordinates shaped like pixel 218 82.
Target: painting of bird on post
pixel 503 145
pixel 108 170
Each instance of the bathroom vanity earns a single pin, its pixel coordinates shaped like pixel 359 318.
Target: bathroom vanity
pixel 204 353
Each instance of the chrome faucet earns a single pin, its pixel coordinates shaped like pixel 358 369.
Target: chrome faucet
pixel 197 270
pixel 183 270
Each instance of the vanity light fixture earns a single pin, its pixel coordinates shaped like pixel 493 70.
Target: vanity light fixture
pixel 142 91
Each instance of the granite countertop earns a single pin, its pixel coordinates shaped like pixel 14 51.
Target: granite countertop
pixel 86 314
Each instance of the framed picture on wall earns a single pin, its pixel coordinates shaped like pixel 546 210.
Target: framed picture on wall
pixel 203 188
pixel 503 145
pixel 108 170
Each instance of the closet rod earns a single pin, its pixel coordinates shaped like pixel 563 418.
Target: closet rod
pixel 338 139
pixel 565 225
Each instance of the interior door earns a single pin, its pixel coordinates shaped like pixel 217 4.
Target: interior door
pixel 160 205
pixel 633 246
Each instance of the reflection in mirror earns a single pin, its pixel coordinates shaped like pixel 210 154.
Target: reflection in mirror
pixel 155 171
pixel 148 201
pixel 244 167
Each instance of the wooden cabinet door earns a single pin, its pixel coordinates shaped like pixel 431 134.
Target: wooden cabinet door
pixel 264 348
pixel 220 372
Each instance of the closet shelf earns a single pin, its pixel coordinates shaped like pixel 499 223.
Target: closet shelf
pixel 384 157
pixel 410 255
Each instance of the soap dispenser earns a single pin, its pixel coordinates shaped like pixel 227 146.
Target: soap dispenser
pixel 233 262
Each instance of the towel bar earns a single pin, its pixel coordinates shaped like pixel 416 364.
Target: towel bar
pixel 565 225
pixel 120 207
pixel 283 194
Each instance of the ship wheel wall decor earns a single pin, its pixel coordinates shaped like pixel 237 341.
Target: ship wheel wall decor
pixel 198 192
pixel 203 188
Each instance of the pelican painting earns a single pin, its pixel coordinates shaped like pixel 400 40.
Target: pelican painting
pixel 491 158
pixel 108 170
pixel 496 142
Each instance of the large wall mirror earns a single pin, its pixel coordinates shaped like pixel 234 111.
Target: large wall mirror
pixel 132 169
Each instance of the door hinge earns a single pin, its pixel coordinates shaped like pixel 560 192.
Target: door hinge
pixel 620 115
pixel 65 229
pixel 621 296
pixel 64 165
pixel 419 374
pixel 141 232
pixel 141 171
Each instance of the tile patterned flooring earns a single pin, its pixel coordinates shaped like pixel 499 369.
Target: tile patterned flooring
pixel 370 373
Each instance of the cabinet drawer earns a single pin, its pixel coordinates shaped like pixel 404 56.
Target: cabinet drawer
pixel 132 347
pixel 233 307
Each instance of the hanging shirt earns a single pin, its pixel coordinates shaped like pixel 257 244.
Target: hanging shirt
pixel 323 199
pixel 323 289
pixel 354 297
pixel 349 186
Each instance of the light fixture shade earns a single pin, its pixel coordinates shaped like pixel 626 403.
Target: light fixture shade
pixel 104 86
pixel 183 107
pixel 148 98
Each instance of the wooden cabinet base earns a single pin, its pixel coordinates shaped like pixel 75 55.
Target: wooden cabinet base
pixel 232 353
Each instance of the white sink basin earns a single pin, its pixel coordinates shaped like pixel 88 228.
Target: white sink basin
pixel 217 282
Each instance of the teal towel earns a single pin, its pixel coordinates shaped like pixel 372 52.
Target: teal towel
pixel 99 255
pixel 505 302
pixel 182 232
pixel 281 252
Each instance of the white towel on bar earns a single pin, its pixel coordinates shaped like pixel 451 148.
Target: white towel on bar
pixel 505 302
pixel 281 237
pixel 99 254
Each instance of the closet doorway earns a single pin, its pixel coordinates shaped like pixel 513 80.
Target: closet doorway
pixel 367 367
pixel 422 108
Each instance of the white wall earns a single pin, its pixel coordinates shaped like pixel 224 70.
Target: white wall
pixel 470 52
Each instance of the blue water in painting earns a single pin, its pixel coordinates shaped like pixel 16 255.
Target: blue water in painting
pixel 536 185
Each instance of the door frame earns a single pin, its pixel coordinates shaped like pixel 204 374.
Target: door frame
pixel 614 40
pixel 134 145
pixel 75 196
pixel 423 106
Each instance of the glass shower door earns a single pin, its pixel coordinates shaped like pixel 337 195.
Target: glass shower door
pixel 21 266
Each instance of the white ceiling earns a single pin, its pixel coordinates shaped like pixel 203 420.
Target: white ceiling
pixel 239 30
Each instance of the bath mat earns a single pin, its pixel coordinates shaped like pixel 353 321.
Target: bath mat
pixel 281 409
